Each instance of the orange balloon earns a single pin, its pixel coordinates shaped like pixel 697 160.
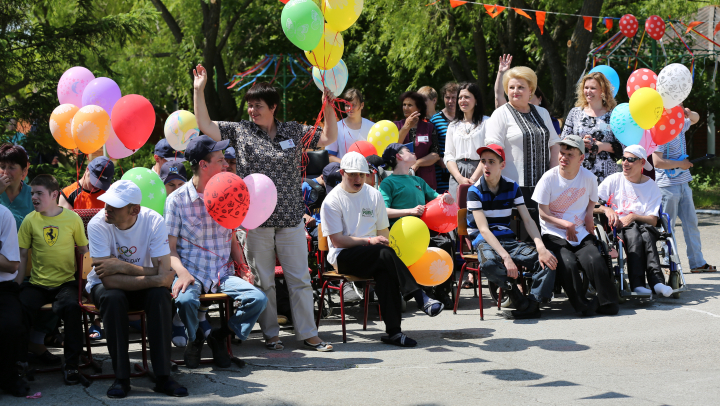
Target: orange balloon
pixel 61 125
pixel 433 268
pixel 91 128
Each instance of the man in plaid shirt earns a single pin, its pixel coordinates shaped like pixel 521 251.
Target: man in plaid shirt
pixel 203 255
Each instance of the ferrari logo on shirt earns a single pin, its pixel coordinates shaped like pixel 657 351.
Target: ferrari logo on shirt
pixel 51 234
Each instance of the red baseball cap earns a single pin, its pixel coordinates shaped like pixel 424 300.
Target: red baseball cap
pixel 494 148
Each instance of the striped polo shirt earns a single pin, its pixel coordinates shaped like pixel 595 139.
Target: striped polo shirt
pixel 497 208
pixel 673 150
pixel 440 121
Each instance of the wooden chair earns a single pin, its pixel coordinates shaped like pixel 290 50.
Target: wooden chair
pixel 471 260
pixel 333 276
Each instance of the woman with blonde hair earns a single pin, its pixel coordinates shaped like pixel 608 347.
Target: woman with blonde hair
pixel 524 130
pixel 590 119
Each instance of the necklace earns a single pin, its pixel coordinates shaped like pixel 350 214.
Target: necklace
pixel 468 129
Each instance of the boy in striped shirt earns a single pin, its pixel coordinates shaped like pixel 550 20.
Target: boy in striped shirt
pixel 491 200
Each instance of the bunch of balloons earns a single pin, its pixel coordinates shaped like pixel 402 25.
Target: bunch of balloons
pixel 410 238
pixel 93 113
pixel 316 30
pixel 236 202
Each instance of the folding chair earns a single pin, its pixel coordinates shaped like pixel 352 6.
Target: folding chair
pixel 471 260
pixel 333 276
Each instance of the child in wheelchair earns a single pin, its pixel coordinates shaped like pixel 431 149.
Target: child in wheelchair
pixel 491 200
pixel 633 201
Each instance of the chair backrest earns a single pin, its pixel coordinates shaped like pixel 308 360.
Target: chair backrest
pixel 462 222
pixel 86 215
pixel 85 265
pixel 462 192
pixel 322 240
pixel 317 161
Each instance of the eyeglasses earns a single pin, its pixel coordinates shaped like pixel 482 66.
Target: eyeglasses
pixel 631 160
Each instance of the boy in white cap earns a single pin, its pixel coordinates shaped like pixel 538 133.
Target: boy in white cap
pixel 633 202
pixel 131 271
pixel 355 221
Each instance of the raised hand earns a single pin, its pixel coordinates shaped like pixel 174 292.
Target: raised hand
pixel 505 61
pixel 199 78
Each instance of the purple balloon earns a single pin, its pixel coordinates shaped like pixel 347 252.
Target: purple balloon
pixel 103 92
pixel 72 84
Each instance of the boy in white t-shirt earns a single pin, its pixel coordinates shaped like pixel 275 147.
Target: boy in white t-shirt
pixel 633 202
pixel 352 128
pixel 355 222
pixel 566 195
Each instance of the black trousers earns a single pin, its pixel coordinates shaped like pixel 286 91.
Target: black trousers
pixel 585 257
pixel 640 245
pixel 114 305
pixel 64 299
pixel 14 327
pixel 392 278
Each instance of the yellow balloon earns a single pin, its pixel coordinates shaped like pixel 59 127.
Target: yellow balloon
pixel 61 125
pixel 91 128
pixel 328 52
pixel 382 134
pixel 341 14
pixel 646 107
pixel 433 268
pixel 409 237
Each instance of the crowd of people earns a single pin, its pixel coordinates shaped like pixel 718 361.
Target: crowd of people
pixel 517 160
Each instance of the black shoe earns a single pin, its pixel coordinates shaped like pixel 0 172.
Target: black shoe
pixel 216 342
pixel 519 300
pixel 591 307
pixel 193 351
pixel 71 375
pixel 531 311
pixel 119 389
pixel 609 309
pixel 170 387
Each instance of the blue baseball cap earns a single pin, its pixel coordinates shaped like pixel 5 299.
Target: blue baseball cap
pixel 230 153
pixel 200 146
pixel 331 175
pixel 173 170
pixel 101 170
pixel 164 150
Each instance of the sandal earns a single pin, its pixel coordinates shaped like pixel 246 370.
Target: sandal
pixel 428 307
pixel 171 388
pixel 399 339
pixel 275 345
pixel 321 346
pixel 118 390
pixel 95 333
pixel 705 268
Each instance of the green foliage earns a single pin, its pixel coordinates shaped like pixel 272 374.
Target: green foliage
pixel 64 175
pixel 706 187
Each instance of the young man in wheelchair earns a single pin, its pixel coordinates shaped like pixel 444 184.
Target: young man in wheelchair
pixel 491 200
pixel 633 203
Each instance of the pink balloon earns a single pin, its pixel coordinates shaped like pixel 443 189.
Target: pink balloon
pixel 103 92
pixel 115 148
pixel 647 142
pixel 263 198
pixel 72 84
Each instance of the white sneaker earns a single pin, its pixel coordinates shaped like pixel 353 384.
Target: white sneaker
pixel 351 293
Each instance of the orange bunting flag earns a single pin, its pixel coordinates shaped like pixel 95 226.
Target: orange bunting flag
pixel 540 18
pixel 522 13
pixel 693 25
pixel 588 23
pixel 494 11
pixel 456 3
pixel 284 1
pixel 608 24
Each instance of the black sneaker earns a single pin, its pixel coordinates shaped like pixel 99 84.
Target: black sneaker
pixel 193 351
pixel 119 389
pixel 71 375
pixel 216 342
pixel 532 311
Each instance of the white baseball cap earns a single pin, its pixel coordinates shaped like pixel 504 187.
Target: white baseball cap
pixel 122 193
pixel 354 162
pixel 639 152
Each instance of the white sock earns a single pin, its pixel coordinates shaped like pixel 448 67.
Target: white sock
pixel 662 289
pixel 178 341
pixel 642 290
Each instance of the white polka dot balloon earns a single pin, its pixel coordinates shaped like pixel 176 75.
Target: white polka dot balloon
pixel 655 27
pixel 670 125
pixel 382 134
pixel 641 78
pixel 628 25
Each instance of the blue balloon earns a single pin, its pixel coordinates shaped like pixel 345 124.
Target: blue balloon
pixel 611 75
pixel 624 127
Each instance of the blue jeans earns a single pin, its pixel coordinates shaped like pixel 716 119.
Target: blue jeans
pixel 252 303
pixel 678 201
pixel 523 255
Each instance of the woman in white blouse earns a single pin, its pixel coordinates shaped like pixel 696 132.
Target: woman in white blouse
pixel 525 131
pixel 464 136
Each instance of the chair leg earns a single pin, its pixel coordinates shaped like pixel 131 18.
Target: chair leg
pixel 321 304
pixel 342 310
pixel 143 342
pixel 479 282
pixel 366 304
pixel 228 308
pixel 459 286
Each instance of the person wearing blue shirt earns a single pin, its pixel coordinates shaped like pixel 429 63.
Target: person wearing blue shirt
pixel 491 200
pixel 14 193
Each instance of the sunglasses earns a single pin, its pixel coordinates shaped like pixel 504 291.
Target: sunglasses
pixel 631 160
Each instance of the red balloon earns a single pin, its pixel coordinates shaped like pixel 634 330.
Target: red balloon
pixel 133 119
pixel 670 125
pixel 440 216
pixel 628 25
pixel 227 199
pixel 364 148
pixel 655 27
pixel 641 78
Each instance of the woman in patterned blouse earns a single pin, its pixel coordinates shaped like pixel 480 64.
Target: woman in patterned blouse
pixel 273 148
pixel 590 119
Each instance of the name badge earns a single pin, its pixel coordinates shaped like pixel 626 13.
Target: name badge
pixel 423 138
pixel 287 144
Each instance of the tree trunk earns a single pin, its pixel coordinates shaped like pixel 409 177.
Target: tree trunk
pixel 578 48
pixel 481 60
pixel 210 28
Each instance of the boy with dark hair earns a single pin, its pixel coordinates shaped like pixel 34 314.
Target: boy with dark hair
pixel 491 200
pixel 14 193
pixel 53 232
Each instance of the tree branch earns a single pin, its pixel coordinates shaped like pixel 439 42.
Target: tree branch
pixel 231 25
pixel 169 20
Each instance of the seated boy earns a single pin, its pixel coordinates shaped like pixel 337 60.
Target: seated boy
pixel 202 254
pixel 53 232
pixel 566 195
pixel 633 204
pixel 231 159
pixel 406 195
pixel 96 180
pixel 491 200
pixel 356 225
pixel 173 175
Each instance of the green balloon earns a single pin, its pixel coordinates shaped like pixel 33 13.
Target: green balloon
pixel 302 22
pixel 151 186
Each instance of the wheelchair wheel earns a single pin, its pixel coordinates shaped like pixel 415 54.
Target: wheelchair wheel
pixel 675 283
pixel 494 289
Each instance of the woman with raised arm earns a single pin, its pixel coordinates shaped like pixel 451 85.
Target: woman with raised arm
pixel 273 148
